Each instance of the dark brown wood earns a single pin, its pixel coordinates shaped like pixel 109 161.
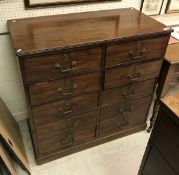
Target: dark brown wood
pixel 136 50
pixel 76 121
pixel 63 108
pixel 156 164
pixel 170 141
pixel 63 88
pixel 68 82
pixel 128 92
pixel 122 124
pixel 127 109
pixel 161 155
pixel 43 68
pixel 95 28
pixel 65 140
pixel 88 144
pixel 133 73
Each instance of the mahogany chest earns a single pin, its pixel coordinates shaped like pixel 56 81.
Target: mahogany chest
pixel 162 155
pixel 88 77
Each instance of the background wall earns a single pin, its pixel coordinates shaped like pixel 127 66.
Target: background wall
pixel 11 90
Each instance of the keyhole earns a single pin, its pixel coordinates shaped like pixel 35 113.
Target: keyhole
pixel 138 45
pixel 65 57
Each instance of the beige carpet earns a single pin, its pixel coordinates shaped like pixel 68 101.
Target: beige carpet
pixel 120 157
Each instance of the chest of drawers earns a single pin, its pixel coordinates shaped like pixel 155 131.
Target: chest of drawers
pixel 168 82
pixel 162 155
pixel 88 78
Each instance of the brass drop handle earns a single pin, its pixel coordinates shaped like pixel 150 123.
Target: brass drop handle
pixel 67 109
pixel 66 70
pixel 142 51
pixel 57 66
pixel 132 54
pixel 135 76
pixel 71 67
pixel 66 112
pixel 67 139
pixel 61 91
pixel 128 94
pixel 68 125
pixel 126 110
pixel 64 93
pixel 124 123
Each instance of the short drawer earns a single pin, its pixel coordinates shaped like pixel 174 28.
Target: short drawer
pixel 64 108
pixel 61 141
pixel 135 50
pixel 62 88
pixel 132 73
pixel 128 92
pixel 166 139
pixel 54 66
pixel 122 124
pixel 127 109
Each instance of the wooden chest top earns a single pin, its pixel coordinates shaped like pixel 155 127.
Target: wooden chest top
pixel 172 55
pixel 172 103
pixel 51 33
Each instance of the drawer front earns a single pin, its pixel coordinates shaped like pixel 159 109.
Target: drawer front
pixel 125 110
pixel 68 124
pixel 156 165
pixel 128 92
pixel 64 108
pixel 132 73
pixel 122 124
pixel 135 50
pixel 167 140
pixel 83 121
pixel 174 79
pixel 61 141
pixel 59 89
pixel 176 70
pixel 59 65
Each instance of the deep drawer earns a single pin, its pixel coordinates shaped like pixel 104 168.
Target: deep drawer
pixel 132 73
pixel 122 124
pixel 127 109
pixel 166 139
pixel 64 108
pixel 79 122
pixel 54 66
pixel 60 141
pixel 136 50
pixel 59 89
pixel 128 92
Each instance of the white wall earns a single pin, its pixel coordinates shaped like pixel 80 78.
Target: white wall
pixel 11 89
